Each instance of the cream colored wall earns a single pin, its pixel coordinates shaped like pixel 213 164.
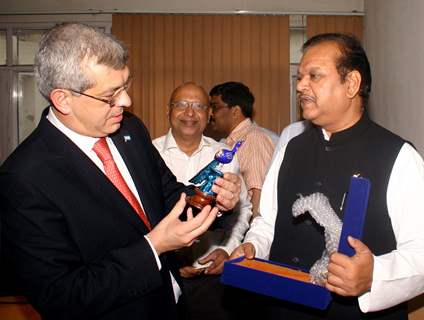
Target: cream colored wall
pixel 393 31
pixel 393 34
pixel 181 6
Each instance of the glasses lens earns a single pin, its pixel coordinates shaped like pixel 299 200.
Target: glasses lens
pixel 118 92
pixel 127 86
pixel 182 105
pixel 198 106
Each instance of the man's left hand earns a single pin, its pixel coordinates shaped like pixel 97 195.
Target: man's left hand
pixel 227 190
pixel 351 276
pixel 218 257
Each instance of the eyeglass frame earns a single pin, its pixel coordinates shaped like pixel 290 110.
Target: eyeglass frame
pixel 201 107
pixel 116 94
pixel 216 107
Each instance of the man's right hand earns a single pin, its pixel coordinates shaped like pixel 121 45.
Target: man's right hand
pixel 245 249
pixel 171 233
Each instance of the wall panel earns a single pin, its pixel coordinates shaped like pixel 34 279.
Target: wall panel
pixel 167 50
pixel 342 24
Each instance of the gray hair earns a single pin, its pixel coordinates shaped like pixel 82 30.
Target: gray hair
pixel 66 50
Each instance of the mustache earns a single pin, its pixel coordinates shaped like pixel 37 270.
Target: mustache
pixel 305 97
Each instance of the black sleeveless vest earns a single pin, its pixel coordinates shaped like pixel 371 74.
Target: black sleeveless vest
pixel 312 164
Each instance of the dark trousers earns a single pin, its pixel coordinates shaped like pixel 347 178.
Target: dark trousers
pixel 204 299
pixel 244 305
pixel 340 309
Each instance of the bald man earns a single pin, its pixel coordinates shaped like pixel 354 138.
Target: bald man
pixel 186 151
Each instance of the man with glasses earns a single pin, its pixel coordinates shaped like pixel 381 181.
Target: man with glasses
pixel 84 200
pixel 232 110
pixel 186 151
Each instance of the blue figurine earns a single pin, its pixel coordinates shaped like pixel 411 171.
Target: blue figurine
pixel 205 178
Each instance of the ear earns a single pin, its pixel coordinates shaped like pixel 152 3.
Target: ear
pixel 61 100
pixel 353 83
pixel 236 111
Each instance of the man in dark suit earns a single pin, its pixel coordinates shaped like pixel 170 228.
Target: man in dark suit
pixel 84 199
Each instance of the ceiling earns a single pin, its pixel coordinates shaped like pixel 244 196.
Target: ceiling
pixel 182 6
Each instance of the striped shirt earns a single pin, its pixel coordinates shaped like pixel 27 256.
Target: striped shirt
pixel 254 154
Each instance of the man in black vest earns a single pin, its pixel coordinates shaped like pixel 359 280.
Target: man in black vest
pixel 334 82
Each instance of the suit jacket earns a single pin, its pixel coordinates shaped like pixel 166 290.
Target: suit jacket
pixel 75 243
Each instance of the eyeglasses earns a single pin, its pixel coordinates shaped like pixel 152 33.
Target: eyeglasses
pixel 216 107
pixel 183 105
pixel 111 100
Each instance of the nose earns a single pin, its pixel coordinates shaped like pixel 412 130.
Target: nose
pixel 189 110
pixel 123 100
pixel 301 84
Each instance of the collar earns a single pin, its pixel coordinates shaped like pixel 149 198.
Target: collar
pixel 344 136
pixel 239 132
pixel 170 143
pixel 85 143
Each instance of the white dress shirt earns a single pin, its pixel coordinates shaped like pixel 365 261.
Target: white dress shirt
pixel 86 144
pixel 186 167
pixel 398 275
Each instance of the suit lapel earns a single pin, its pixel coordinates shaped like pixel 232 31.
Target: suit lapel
pixel 85 172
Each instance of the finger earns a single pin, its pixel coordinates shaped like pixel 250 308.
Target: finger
pixel 221 208
pixel 215 268
pixel 336 290
pixel 335 281
pixel 221 258
pixel 195 222
pixel 227 201
pixel 246 249
pixel 230 182
pixel 238 252
pixel 179 207
pixel 336 269
pixel 227 193
pixel 358 245
pixel 249 250
pixel 189 272
pixel 199 224
pixel 209 257
pixel 232 177
pixel 189 214
pixel 340 259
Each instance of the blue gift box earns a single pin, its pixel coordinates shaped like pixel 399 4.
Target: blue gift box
pixel 265 277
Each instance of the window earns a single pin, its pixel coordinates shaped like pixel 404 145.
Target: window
pixel 2 47
pixel 25 45
pixel 297 39
pixel 21 104
pixel 30 104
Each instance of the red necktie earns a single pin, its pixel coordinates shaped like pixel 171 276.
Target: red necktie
pixel 102 150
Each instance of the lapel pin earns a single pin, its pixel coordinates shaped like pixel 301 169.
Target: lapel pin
pixel 127 138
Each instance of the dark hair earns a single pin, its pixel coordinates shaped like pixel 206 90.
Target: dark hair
pixel 235 94
pixel 353 57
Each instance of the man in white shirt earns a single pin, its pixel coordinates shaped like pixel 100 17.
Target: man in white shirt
pixel 186 151
pixel 388 266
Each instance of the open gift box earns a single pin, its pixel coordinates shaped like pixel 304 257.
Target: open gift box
pixel 283 282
